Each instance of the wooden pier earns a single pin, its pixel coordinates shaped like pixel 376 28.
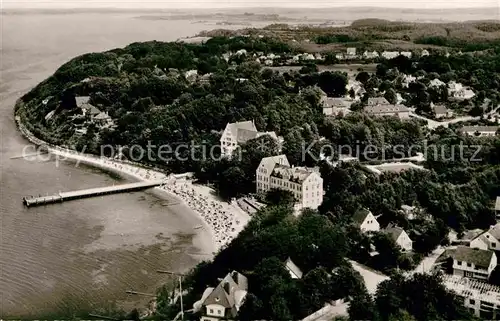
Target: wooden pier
pixel 92 192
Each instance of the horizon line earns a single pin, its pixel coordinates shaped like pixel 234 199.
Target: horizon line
pixel 242 7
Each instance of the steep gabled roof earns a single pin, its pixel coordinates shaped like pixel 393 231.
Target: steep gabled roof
pixel 268 163
pixel 480 258
pixel 229 293
pixel 360 216
pixel 495 231
pixel 243 131
pixel 394 232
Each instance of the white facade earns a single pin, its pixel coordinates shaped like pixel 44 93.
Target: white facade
pixel 305 184
pixel 467 267
pixel 480 131
pixel 425 53
pixel 406 54
pixel 239 133
pixel 399 111
pixel 370 224
pixel 370 55
pixel 390 54
pixel 405 242
pixel 213 312
pixel 488 240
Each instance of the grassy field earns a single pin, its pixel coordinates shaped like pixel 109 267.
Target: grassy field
pixel 378 34
pixel 350 69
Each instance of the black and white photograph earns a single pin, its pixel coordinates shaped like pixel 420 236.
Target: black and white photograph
pixel 230 160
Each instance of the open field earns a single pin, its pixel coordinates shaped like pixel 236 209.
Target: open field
pixel 350 69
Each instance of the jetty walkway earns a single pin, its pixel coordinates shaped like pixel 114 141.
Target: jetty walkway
pixel 92 192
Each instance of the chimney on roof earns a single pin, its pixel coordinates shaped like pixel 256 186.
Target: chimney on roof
pixel 227 288
pixel 234 276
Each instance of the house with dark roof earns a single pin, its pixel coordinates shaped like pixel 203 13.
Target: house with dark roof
pixel 440 111
pixel 468 237
pixel 334 105
pixel 366 221
pixel 473 262
pixel 382 110
pixel 224 301
pixel 400 237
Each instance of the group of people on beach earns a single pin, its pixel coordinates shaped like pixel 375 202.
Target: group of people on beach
pixel 214 213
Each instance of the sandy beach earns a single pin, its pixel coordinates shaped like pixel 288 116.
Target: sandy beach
pixel 222 219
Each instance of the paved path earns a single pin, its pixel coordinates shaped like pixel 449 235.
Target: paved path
pixel 432 124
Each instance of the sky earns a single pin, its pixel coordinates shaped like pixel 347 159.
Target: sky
pixel 420 4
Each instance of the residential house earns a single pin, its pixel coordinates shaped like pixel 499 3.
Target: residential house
pixel 473 262
pixel 356 86
pixel 87 108
pixel 293 269
pixel 399 111
pixel 350 53
pixel 365 220
pixel 407 54
pixel 407 80
pixel 400 237
pixel 424 53
pixel 339 56
pixel 479 130
pixel 458 92
pixel 224 301
pixel 191 75
pixel 390 54
pixel 409 211
pixel 305 184
pixel 370 55
pixel 103 119
pixel 81 101
pixel 377 101
pixel 239 133
pixel 488 240
pixel 436 83
pixel 205 79
pixel 468 237
pixel 480 298
pixel 333 106
pixel 440 111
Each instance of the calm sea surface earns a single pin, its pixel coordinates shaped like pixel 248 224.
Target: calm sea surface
pixel 84 254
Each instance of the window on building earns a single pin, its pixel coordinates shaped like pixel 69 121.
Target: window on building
pixel 469 264
pixel 471 301
pixel 211 311
pixel 493 244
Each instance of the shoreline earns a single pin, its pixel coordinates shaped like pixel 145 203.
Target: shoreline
pixel 198 199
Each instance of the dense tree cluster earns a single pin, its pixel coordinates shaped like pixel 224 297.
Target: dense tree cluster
pixel 143 89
